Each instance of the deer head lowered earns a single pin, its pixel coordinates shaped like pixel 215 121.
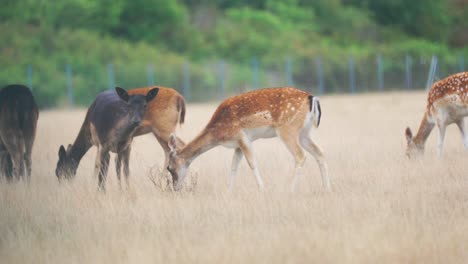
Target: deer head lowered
pixel 110 124
pixel 286 112
pixel 447 103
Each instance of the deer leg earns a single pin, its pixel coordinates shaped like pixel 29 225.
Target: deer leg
pixel 246 148
pixel 6 166
pixel 235 164
pixel 317 153
pixel 126 162
pixel 104 165
pixel 28 163
pixel 163 141
pixel 118 167
pixel 440 142
pixel 28 146
pixel 290 140
pixel 461 125
pixel 15 147
pixel 97 162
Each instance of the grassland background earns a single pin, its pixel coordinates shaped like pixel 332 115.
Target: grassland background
pixel 382 208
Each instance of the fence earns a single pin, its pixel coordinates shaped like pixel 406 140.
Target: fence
pixel 216 80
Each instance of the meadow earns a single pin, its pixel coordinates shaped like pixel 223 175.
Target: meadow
pixel 382 208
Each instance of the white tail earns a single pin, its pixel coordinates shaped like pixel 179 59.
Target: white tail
pixel 287 113
pixel 316 110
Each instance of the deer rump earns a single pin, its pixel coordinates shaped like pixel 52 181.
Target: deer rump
pixel 18 121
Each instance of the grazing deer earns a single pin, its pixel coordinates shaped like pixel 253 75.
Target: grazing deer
pixel 162 116
pixel 447 103
pixel 110 124
pixel 18 122
pixel 285 112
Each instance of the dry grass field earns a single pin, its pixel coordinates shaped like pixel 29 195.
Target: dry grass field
pixel 383 208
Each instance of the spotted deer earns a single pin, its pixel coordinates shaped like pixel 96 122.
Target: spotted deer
pixel 110 124
pixel 286 112
pixel 447 103
pixel 18 123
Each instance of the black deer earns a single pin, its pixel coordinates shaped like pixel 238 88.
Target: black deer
pixel 110 124
pixel 18 121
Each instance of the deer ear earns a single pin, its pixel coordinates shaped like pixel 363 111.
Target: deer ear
pixel 62 153
pixel 122 94
pixel 408 134
pixel 172 142
pixel 69 147
pixel 152 94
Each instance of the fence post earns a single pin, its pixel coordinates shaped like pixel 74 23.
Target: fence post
pixel 319 67
pixel 432 71
pixel 221 79
pixel 150 74
pixel 29 74
pixel 69 85
pixel 409 77
pixel 110 75
pixel 352 74
pixel 186 77
pixel 255 73
pixel 461 62
pixel 380 72
pixel 289 78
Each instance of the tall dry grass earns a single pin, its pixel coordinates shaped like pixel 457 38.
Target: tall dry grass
pixel 383 208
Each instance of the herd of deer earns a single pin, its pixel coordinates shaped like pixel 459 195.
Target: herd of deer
pixel 115 117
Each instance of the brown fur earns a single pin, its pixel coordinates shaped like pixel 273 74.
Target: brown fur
pixel 110 124
pixel 242 119
pixel 18 121
pixel 244 111
pixel 456 84
pixel 163 114
pixel 447 103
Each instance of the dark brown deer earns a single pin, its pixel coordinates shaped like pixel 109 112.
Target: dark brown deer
pixel 18 121
pixel 110 124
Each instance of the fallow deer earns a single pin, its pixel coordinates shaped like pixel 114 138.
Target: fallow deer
pixel 162 116
pixel 110 124
pixel 447 103
pixel 285 112
pixel 18 122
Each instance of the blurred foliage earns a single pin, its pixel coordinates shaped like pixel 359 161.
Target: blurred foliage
pixel 90 34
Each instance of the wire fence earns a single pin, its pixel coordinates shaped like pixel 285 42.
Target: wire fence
pixel 218 79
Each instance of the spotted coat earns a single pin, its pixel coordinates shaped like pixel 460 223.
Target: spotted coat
pixel 451 90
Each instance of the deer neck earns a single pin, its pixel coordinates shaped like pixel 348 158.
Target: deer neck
pixel 82 143
pixel 424 131
pixel 202 143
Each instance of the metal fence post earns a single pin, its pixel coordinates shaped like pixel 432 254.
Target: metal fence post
pixel 461 62
pixel 352 74
pixel 186 77
pixel 221 78
pixel 110 76
pixel 409 77
pixel 29 73
pixel 380 72
pixel 150 74
pixel 255 73
pixel 69 85
pixel 319 66
pixel 432 71
pixel 289 69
